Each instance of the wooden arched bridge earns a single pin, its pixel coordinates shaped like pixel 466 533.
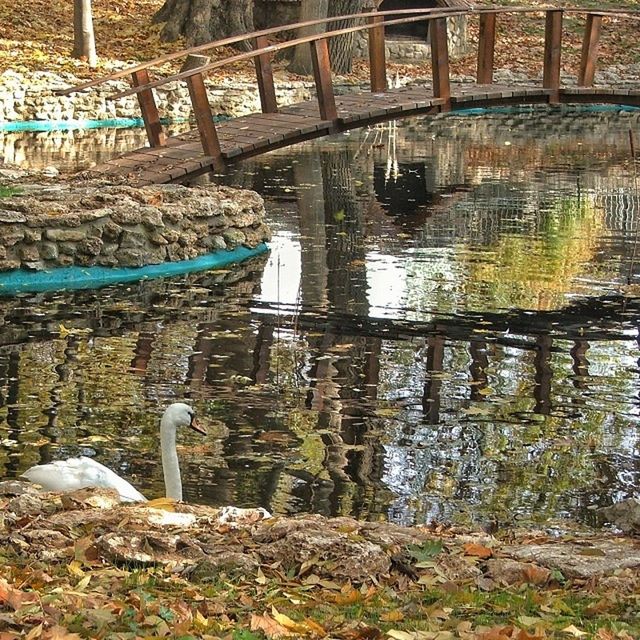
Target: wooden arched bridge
pixel 214 145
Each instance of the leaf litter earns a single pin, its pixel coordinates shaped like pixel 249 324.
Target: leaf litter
pixel 84 566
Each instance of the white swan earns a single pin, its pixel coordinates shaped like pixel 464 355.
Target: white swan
pixel 80 473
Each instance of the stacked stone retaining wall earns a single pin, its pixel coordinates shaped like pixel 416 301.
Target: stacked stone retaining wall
pixel 45 227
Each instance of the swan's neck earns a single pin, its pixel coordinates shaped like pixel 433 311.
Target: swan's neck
pixel 170 465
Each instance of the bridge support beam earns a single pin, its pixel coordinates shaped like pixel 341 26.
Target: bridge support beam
pixel 377 56
pixel 322 75
pixel 149 109
pixel 264 73
pixel 440 62
pixel 552 53
pixel 204 120
pixel 589 57
pixel 486 48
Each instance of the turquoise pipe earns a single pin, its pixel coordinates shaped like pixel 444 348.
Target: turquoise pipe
pixel 23 281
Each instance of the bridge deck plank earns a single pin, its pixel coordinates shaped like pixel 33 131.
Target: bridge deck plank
pixel 259 132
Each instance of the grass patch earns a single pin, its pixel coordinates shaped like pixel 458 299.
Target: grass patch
pixel 7 192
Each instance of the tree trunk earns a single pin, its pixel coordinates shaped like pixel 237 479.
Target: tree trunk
pixel 84 42
pixel 310 10
pixel 341 47
pixel 201 21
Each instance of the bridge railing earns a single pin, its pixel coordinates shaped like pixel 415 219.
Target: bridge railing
pixel 374 23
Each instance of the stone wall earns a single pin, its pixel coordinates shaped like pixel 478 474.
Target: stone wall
pixel 30 96
pixel 412 50
pixel 56 226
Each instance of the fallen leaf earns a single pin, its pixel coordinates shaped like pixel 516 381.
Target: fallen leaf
pixel 574 631
pixel 392 616
pixel 396 634
pixel 288 623
pixel 536 575
pixel 269 626
pixel 497 633
pixel 14 597
pixel 60 633
pixel 477 550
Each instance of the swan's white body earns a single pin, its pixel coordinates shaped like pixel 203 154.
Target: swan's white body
pixel 81 473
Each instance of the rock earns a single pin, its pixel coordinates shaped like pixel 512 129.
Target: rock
pixel 90 246
pixel 65 235
pixel 223 561
pixel 131 258
pixel 29 253
pixel 17 488
pixel 235 516
pixel 32 235
pixel 512 572
pixel 7 215
pixel 625 515
pixel 147 548
pixel 48 251
pixel 127 215
pixel 575 560
pixel 111 231
pixel 31 504
pixel 293 542
pixel 158 238
pixel 216 243
pixel 234 238
pixel 133 239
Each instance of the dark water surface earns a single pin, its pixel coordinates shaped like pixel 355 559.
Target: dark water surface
pixel 444 330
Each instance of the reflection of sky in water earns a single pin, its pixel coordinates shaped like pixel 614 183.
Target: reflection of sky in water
pixel 459 420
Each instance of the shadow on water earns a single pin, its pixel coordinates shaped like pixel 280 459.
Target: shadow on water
pixel 444 330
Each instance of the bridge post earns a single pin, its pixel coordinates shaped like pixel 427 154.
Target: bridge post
pixel 322 75
pixel 486 48
pixel 377 56
pixel 264 73
pixel 440 62
pixel 149 109
pixel 553 53
pixel 204 120
pixel 590 43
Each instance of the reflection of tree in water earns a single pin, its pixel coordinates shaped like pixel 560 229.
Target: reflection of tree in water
pixel 344 369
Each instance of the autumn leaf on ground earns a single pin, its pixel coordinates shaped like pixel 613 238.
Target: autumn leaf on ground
pixel 536 575
pixel 425 551
pixel 270 627
pixel 477 550
pixel 60 633
pixel 497 633
pixel 288 623
pixel 14 597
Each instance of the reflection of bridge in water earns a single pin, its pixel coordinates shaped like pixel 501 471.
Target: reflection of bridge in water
pixel 214 146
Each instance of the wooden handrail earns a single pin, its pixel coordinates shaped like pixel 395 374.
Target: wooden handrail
pixel 274 48
pixel 633 14
pixel 231 40
pixel 424 15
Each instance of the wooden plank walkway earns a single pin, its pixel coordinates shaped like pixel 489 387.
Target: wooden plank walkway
pixel 258 133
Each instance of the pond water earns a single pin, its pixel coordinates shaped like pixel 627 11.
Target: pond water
pixel 446 329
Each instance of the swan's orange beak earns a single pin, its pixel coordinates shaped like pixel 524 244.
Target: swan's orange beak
pixel 196 426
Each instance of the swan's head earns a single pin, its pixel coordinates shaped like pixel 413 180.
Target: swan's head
pixel 180 414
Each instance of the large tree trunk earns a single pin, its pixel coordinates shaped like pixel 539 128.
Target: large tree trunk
pixel 201 21
pixel 341 47
pixel 310 10
pixel 84 42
